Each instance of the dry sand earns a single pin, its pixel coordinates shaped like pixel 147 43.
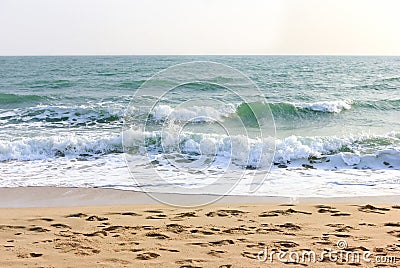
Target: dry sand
pixel 217 235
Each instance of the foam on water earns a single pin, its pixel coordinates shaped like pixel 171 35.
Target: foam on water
pixel 194 114
pixel 326 152
pixel 70 146
pixel 327 106
pixel 111 172
pixel 319 165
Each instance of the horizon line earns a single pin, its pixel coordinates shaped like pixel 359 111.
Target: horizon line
pixel 183 55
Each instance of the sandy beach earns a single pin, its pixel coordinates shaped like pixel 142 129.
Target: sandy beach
pixel 229 233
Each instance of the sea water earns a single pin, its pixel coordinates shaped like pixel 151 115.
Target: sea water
pixel 336 133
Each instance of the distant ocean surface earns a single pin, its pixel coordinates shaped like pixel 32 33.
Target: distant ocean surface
pixel 337 122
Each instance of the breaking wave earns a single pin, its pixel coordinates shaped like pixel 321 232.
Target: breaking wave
pixel 320 152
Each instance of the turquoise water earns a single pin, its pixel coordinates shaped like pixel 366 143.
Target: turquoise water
pixel 61 121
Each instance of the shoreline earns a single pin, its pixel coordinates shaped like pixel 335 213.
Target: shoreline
pixel 46 197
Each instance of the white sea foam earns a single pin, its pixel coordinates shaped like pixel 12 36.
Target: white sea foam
pixel 110 172
pixel 327 106
pixel 295 147
pixel 194 114
pixel 42 148
pixel 242 151
pixel 247 152
pixel 350 159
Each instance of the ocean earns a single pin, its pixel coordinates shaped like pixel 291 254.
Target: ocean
pixel 331 124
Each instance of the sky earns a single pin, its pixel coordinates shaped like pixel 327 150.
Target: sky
pixel 193 27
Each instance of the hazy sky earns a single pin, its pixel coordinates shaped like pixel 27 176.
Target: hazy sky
pixel 80 27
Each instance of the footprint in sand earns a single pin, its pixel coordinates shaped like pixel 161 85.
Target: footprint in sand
pixel 269 228
pixel 147 256
pixel 38 229
pixel 126 213
pixel 322 242
pixel 47 241
pixel 395 233
pixel 169 250
pixel 76 215
pixel 286 244
pixel 290 226
pixel 270 214
pixel 183 215
pixel 340 214
pixel 157 235
pixel 129 214
pixel 98 233
pixel 366 224
pixel 78 246
pixel 392 224
pixel 176 228
pixel 96 218
pixel 157 217
pixel 372 209
pixel 119 261
pixel 147 227
pixel 257 245
pixel 213 243
pixel 113 228
pixel 43 219
pixel 35 255
pixel 238 230
pixel 32 255
pixel 225 213
pixel 9 245
pixel 133 249
pixel 342 235
pixel 207 233
pixel 359 248
pixel 216 253
pixel 201 244
pixel 189 262
pixel 393 247
pixel 275 213
pixel 60 225
pixel 153 211
pixel 326 209
pixel 11 227
pixel 340 227
pixel 250 255
pixel 222 242
pixel 334 212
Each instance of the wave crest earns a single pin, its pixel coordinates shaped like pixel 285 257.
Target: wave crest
pixel 321 152
pixel 327 106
